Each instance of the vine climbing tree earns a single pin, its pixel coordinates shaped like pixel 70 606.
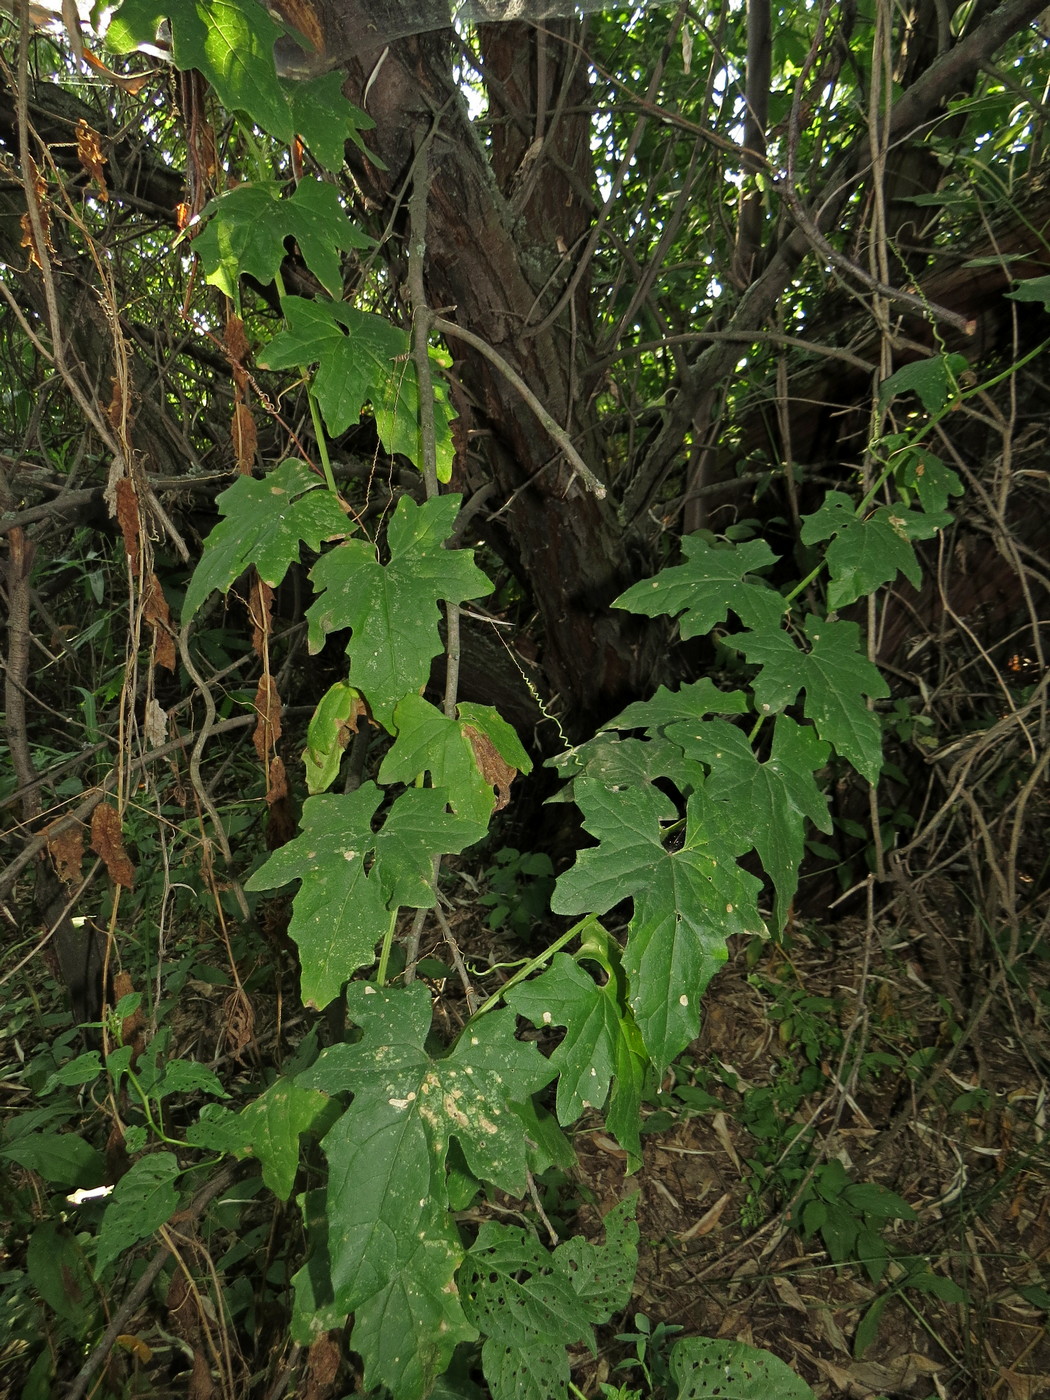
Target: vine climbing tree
pixel 560 411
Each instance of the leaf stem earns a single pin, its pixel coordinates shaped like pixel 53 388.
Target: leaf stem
pixel 541 959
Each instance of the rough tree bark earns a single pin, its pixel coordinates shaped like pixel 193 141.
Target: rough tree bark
pixel 500 243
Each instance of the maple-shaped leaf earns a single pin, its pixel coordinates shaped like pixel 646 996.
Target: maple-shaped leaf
pixel 325 120
pixel 447 749
pixel 566 995
pixel 352 876
pixel 867 553
pixel 361 359
pixel 690 702
pixel 625 763
pixel 836 677
pixel 406 1332
pixel 713 582
pixel 531 1303
pixel 247 226
pixel 769 802
pixel 417 828
pixel 387 1152
pixel 393 608
pixel 932 481
pixel 230 42
pixel 936 381
pixel 265 523
pixel 687 901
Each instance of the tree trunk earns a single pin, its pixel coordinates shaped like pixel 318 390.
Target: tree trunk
pixel 503 231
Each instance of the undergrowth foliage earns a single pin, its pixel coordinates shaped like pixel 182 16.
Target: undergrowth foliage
pixel 685 795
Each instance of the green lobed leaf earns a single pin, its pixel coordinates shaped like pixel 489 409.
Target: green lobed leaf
pixel 1032 289
pixel 387 1152
pixel 836 677
pixel 406 1332
pixel 265 523
pixel 931 480
pixel 393 608
pixel 768 803
pixel 187 1077
pixel 246 230
pixel 934 380
pixel 531 1303
pixel 566 995
pixel 428 742
pixel 272 1126
pixel 689 703
pixel 865 554
pixel 142 1200
pixel 325 120
pixel 713 582
pixel 687 901
pixel 706 1366
pixel 353 876
pixel 361 359
pixel 229 41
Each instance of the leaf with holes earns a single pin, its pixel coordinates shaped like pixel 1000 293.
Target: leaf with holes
pixel 393 608
pixel 706 1366
pixel 936 381
pixel 835 676
pixel 143 1200
pixel 387 1152
pixel 264 524
pixel 531 1303
pixel 713 582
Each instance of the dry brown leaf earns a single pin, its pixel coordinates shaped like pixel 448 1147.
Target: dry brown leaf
pixel 277 788
pixel 239 1016
pixel 245 440
pixel 89 153
pixel 268 727
pixel 721 1127
pixel 66 849
pixel 493 767
pixel 128 520
pixel 708 1220
pixel 107 841
pixel 156 612
pixel 789 1294
pixel 236 340
pixel 26 223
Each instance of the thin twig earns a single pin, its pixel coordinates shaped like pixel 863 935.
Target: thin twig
pixel 558 433
pixel 118 1322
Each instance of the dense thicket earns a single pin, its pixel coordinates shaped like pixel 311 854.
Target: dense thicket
pixel 689 247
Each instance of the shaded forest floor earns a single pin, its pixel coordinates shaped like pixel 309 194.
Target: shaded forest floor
pixel 880 1052
pixel 880 1085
